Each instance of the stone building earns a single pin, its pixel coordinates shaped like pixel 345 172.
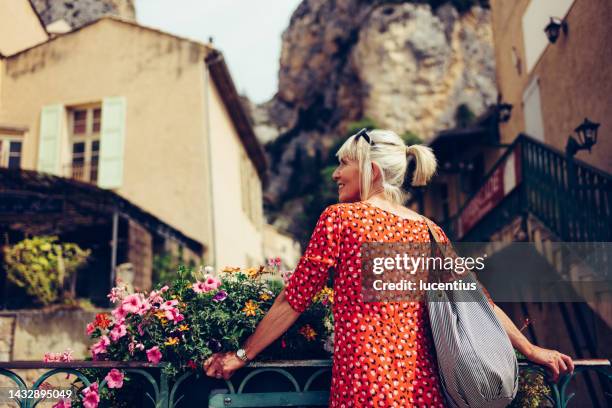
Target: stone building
pixel 149 117
pixel 522 172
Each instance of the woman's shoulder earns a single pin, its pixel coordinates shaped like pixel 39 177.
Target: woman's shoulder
pixel 344 209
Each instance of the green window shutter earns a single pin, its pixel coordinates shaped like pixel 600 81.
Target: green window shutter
pixel 51 120
pixel 112 138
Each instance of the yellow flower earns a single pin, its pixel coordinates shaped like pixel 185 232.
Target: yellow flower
pixel 172 341
pixel 230 269
pixel 163 321
pixel 325 295
pixel 160 314
pixel 254 272
pixel 183 327
pixel 251 308
pixel 265 296
pixel 308 332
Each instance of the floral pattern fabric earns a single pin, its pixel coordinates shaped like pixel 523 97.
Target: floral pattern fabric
pixel 383 352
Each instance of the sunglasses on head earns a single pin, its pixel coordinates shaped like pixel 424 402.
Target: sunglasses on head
pixel 364 133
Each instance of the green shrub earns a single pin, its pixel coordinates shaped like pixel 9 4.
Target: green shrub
pixel 45 268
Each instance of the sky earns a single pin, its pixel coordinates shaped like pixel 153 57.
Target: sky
pixel 248 32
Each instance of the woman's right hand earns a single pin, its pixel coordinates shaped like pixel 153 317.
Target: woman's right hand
pixel 556 362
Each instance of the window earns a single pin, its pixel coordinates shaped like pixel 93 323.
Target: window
pixel 10 152
pixel 85 142
pixel 534 123
pixel 537 15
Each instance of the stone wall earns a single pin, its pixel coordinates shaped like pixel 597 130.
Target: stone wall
pixel 29 334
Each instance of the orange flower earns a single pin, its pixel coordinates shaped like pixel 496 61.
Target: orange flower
pixel 102 320
pixel 183 327
pixel 308 332
pixel 160 314
pixel 251 308
pixel 230 269
pixel 172 341
pixel 265 296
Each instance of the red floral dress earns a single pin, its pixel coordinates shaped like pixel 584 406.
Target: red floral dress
pixel 383 352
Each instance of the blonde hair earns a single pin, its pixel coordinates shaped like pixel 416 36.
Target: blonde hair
pixel 392 156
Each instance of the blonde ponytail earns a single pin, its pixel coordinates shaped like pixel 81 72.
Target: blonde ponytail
pixel 386 150
pixel 425 163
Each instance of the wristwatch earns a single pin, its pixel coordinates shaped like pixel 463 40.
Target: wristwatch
pixel 241 354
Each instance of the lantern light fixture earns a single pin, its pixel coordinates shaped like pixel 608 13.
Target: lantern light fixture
pixel 586 135
pixel 554 28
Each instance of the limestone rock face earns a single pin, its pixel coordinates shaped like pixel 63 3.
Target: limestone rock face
pixel 79 12
pixel 418 67
pixel 402 64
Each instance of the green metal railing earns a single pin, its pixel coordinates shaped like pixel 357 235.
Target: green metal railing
pixel 571 198
pixel 258 385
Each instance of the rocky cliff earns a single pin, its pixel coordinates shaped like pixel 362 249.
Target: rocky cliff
pixel 402 64
pixel 79 12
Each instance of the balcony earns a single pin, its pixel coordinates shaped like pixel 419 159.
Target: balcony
pixel 572 199
pixel 86 172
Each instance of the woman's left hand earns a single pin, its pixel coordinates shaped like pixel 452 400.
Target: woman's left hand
pixel 557 363
pixel 222 365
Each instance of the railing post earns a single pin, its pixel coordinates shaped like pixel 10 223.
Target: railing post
pixel 163 401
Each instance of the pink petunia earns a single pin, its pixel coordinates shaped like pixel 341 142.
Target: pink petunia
pixel 119 314
pixel 144 307
pixel 67 356
pixel 211 282
pixel 50 358
pixel 114 379
pixel 132 303
pixel 169 304
pixel 100 347
pixel 174 315
pixel 154 355
pixel 199 287
pixel 63 403
pixel 118 331
pixel 91 398
pixel 90 328
pixel 155 297
pixel 116 294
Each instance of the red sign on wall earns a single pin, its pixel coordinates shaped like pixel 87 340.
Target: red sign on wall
pixel 501 182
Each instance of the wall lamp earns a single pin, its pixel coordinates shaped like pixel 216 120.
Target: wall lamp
pixel 554 28
pixel 586 133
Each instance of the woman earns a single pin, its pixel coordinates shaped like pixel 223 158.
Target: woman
pixel 383 352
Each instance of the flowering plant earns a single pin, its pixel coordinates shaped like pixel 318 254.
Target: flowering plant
pixel 184 321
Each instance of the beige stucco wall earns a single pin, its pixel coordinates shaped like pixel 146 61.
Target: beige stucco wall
pixel 282 246
pixel 165 162
pixel 19 26
pixel 238 241
pixel 574 74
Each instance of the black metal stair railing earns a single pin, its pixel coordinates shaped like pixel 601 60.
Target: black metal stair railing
pixel 571 198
